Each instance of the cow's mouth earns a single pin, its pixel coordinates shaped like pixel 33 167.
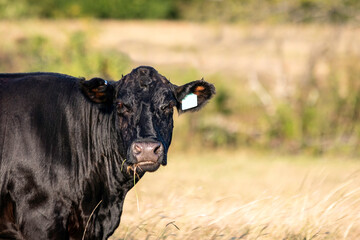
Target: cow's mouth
pixel 144 166
pixel 148 166
pixel 146 155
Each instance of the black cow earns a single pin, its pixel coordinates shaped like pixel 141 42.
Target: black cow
pixel 70 148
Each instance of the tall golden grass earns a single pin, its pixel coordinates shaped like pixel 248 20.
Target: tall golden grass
pixel 245 195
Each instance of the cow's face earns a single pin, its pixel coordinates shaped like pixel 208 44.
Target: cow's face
pixel 144 103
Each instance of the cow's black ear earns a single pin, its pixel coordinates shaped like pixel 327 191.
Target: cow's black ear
pixel 98 90
pixel 194 95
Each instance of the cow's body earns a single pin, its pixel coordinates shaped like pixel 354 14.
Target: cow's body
pixel 70 149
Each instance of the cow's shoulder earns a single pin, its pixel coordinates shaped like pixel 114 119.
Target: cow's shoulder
pixel 37 87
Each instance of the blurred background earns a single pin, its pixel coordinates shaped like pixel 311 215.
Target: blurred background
pixel 286 72
pixel 280 140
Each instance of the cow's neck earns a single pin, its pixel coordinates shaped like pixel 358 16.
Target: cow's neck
pixel 107 180
pixel 104 150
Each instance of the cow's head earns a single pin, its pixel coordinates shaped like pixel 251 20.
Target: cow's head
pixel 144 101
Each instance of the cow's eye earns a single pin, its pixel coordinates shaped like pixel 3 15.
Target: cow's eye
pixel 168 107
pixel 123 108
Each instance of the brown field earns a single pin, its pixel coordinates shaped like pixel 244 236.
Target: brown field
pixel 245 195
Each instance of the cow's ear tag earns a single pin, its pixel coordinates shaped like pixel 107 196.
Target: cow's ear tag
pixel 189 101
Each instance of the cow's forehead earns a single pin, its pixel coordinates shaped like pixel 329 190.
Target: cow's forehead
pixel 145 83
pixel 145 74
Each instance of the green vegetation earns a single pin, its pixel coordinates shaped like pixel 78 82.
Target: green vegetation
pixel 271 11
pixel 36 53
pixel 121 9
pixel 335 11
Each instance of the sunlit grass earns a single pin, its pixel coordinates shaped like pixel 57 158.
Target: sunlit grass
pixel 242 195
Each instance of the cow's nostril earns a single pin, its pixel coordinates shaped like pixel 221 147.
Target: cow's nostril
pixel 137 149
pixel 158 149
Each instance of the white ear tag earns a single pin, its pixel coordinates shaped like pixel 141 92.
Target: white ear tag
pixel 189 101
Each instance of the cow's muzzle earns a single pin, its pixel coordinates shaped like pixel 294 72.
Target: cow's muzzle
pixel 147 155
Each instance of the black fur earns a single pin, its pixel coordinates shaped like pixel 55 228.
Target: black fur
pixel 65 148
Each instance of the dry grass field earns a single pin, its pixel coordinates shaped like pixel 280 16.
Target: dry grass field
pixel 245 195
